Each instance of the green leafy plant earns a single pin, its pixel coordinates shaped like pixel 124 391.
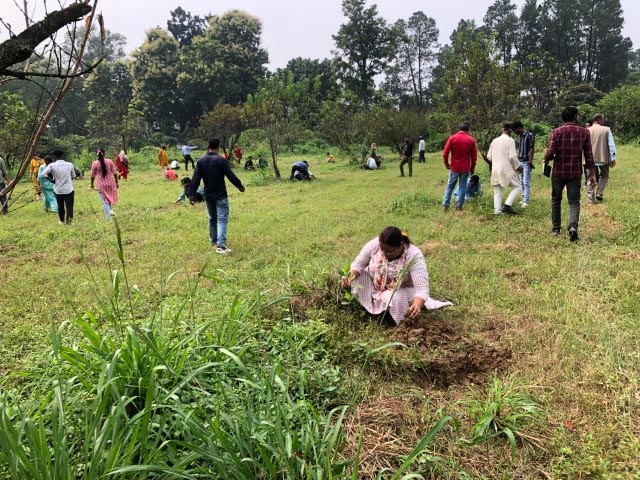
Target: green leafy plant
pixel 505 410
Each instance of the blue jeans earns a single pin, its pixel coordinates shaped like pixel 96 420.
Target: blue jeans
pixel 218 219
pixel 525 178
pixel 461 179
pixel 105 206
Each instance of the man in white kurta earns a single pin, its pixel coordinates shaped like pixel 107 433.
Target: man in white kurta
pixel 504 171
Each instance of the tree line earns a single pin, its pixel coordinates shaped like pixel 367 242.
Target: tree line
pixel 205 76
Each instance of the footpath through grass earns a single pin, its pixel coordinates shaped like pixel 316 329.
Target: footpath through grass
pixel 538 362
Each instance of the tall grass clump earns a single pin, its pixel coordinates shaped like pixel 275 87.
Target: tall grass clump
pixel 505 410
pixel 168 397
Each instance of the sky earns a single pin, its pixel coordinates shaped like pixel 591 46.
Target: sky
pixel 291 28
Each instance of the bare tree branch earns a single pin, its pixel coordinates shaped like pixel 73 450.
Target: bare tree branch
pixel 24 75
pixel 19 49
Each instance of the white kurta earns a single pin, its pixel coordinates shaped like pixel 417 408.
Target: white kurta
pixel 504 161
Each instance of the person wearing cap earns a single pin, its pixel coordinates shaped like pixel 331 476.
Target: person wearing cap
pixel 62 173
pixel 422 147
pixel 464 152
pixel 526 150
pixel 504 170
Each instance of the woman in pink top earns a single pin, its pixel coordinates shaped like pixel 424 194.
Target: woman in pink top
pixel 105 171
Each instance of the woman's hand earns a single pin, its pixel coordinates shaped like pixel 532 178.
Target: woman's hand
pixel 349 277
pixel 415 308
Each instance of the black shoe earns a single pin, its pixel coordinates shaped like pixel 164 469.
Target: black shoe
pixel 555 232
pixel 573 234
pixel 509 209
pixel 599 198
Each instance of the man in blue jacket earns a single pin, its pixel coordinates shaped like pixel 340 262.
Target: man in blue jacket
pixel 212 168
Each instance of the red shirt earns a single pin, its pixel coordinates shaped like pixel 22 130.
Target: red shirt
pixel 567 145
pixel 464 154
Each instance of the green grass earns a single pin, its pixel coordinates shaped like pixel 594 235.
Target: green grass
pixel 568 312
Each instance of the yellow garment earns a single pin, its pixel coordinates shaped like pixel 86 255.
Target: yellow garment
pixel 163 158
pixel 34 166
pixel 33 172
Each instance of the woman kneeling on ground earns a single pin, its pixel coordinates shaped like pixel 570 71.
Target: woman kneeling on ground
pixel 391 273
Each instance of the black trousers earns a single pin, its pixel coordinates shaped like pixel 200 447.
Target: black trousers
pixel 65 207
pixel 187 159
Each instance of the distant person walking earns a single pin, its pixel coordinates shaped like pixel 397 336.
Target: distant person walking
pixel 407 157
pixel 526 150
pixel 48 193
pixel 422 148
pixel 567 146
pixel 4 180
pixel 34 166
pixel 62 173
pixel 186 155
pixel 604 156
pixel 462 148
pixel 212 169
pixel 107 185
pixel 504 171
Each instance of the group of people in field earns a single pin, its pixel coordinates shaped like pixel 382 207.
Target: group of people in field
pixel 389 276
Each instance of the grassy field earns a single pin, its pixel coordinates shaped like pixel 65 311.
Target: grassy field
pixel 543 343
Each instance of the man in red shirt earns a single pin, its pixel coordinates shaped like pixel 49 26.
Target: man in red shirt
pixel 464 154
pixel 567 145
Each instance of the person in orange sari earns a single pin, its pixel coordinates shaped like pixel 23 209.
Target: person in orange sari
pixel 36 161
pixel 163 158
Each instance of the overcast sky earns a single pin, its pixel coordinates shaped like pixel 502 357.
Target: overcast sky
pixel 293 28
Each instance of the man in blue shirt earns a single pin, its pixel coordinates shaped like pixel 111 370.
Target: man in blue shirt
pixel 212 168
pixel 186 154
pixel 300 171
pixel 526 150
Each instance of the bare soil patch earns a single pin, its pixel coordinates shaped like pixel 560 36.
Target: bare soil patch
pixel 451 356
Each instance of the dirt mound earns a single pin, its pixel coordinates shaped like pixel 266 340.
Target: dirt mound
pixel 450 356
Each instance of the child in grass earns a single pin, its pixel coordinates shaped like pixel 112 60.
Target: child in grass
pixel 199 195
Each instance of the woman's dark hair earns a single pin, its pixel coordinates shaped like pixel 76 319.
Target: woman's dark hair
pixel 48 160
pixel 185 181
pixel 393 237
pixel 103 166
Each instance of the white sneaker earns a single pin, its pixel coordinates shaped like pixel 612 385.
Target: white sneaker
pixel 524 204
pixel 223 250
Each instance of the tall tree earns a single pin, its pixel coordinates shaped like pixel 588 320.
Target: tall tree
pixel 112 120
pixel 502 21
pixel 223 65
pixel 364 45
pixel 475 85
pixel 154 80
pixel 415 58
pixel 223 122
pixel 606 52
pixel 275 108
pixel 185 27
